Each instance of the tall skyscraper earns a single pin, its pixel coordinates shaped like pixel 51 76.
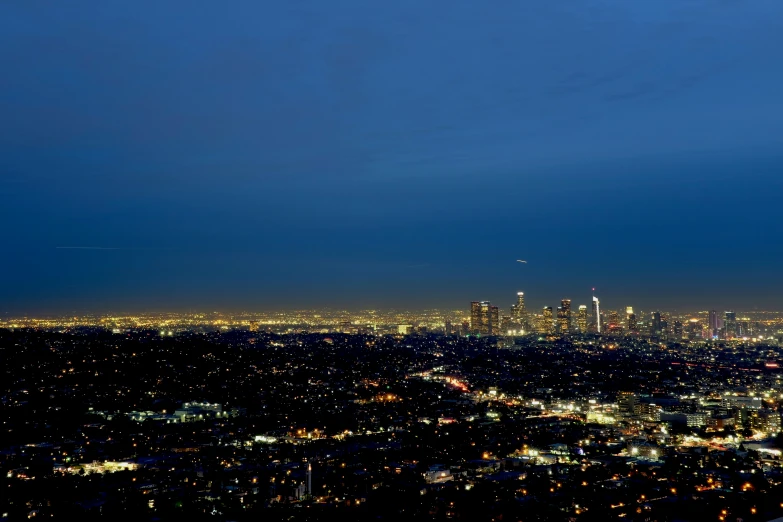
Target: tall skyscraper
pixel 712 324
pixel 494 321
pixel 548 321
pixel 655 325
pixel 730 325
pixel 678 330
pixel 596 318
pixel 518 312
pixel 484 318
pixel 665 329
pixel 564 316
pixel 477 316
pixel 630 319
pixel 581 319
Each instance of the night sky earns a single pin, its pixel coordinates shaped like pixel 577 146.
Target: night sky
pixel 353 153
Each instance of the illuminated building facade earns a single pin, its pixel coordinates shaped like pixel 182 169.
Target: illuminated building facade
pixel 596 316
pixel 655 325
pixel 484 318
pixel 694 329
pixel 613 319
pixel 730 325
pixel 678 330
pixel 712 324
pixel 564 316
pixel 626 404
pixel 548 322
pixel 518 311
pixel 630 319
pixel 581 319
pixel 479 317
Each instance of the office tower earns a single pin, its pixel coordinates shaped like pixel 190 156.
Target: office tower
pixel 596 317
pixel 448 328
pixel 484 318
pixel 581 319
pixel 712 324
pixel 518 312
pixel 664 329
pixel 548 321
pixel 694 329
pixel 564 316
pixel 538 324
pixel 656 329
pixel 678 330
pixel 730 325
pixel 558 317
pixel 630 318
pixel 479 317
pixel 494 321
pixel 626 404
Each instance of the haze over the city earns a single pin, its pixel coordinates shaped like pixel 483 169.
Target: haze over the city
pixel 162 156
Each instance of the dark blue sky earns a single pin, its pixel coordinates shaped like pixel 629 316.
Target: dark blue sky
pixel 352 153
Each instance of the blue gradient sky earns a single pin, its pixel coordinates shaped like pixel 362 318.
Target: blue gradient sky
pixel 353 153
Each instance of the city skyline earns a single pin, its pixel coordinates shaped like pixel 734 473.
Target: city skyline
pixel 507 308
pixel 391 261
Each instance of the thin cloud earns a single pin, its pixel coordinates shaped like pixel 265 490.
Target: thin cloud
pixel 103 248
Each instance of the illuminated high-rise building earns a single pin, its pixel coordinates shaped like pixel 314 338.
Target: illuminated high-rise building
pixel 630 319
pixel 494 320
pixel 484 318
pixel 730 325
pixel 678 330
pixel 581 319
pixel 479 317
pixel 596 317
pixel 626 403
pixel 538 324
pixel 558 316
pixel 564 316
pixel 518 311
pixel 656 325
pixel 694 329
pixel 712 324
pixel 548 321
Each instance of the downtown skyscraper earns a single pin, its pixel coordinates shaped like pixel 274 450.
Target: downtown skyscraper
pixel 518 311
pixel 581 319
pixel 564 316
pixel 596 315
pixel 484 318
